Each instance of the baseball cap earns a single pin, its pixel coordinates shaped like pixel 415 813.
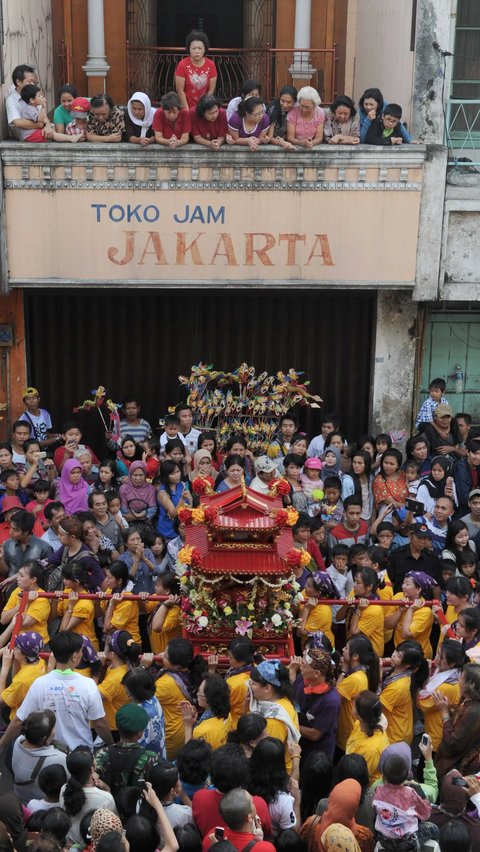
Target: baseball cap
pixel 80 107
pixel 442 410
pixel 11 503
pixel 30 392
pixel 312 461
pixel 474 493
pixel 420 530
pixel 264 465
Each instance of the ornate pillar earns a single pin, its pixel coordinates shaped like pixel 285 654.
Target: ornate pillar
pixel 96 67
pixel 301 69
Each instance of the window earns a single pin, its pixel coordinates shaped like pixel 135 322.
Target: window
pixel 464 120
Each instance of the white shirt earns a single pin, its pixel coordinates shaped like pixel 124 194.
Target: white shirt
pixel 52 539
pixel 316 446
pixel 75 700
pixel 11 105
pixel 95 798
pixel 190 440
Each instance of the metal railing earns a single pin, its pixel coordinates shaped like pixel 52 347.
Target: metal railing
pixel 152 69
pixel 463 131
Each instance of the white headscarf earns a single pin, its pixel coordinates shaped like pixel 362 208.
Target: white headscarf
pixel 146 121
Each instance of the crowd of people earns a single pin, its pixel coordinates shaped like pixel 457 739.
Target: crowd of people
pixel 294 120
pixel 118 735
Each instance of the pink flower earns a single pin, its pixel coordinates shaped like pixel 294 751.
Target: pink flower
pixel 242 626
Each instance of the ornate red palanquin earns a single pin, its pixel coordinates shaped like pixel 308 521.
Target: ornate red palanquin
pixel 244 575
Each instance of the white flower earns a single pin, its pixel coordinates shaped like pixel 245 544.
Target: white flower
pixel 202 621
pixel 276 619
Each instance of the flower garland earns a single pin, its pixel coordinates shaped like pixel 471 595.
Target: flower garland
pixel 279 487
pixel 266 605
pixel 285 517
pixel 200 515
pixel 191 556
pixel 202 485
pixel 298 558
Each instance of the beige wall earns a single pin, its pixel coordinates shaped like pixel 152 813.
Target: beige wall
pixel 27 39
pixel 382 56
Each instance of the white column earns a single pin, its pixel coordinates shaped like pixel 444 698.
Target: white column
pixel 301 61
pixel 96 65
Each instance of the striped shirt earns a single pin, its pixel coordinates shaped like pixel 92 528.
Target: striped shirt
pixel 139 433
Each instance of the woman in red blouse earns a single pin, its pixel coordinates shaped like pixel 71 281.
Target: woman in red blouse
pixel 195 75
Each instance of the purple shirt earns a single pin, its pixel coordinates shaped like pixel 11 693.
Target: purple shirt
pixel 319 712
pixel 237 123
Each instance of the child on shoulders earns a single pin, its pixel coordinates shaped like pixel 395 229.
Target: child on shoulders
pixel 401 812
pixel 312 484
pixel 331 507
pixel 436 390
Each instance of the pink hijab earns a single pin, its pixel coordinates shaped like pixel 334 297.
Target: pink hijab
pixel 73 497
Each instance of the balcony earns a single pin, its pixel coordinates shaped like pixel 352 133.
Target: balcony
pixel 117 215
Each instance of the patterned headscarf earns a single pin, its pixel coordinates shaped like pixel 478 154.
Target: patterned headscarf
pixel 422 580
pixel 30 644
pixel 325 584
pixel 268 670
pixel 116 646
pixel 320 660
pixel 339 838
pixel 89 654
pixel 102 821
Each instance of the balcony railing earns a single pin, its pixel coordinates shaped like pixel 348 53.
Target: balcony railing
pixel 152 69
pixel 463 131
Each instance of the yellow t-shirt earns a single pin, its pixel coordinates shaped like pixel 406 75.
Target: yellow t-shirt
pixel 348 689
pixel 432 715
pixel 14 694
pixel 370 748
pixel 85 610
pixel 386 594
pixel 397 706
pixel 114 695
pixel 237 684
pixel 277 728
pixel 420 627
pixel 125 617
pixel 171 628
pixel 39 610
pixel 170 695
pixel 451 617
pixel 215 731
pixel 371 624
pixel 320 618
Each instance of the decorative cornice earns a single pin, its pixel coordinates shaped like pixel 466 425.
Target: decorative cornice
pixel 114 167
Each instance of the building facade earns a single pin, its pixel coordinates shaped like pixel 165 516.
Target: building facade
pixel 358 265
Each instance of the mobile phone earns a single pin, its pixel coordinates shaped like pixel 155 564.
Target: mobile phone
pixel 414 506
pixel 41 455
pixel 459 782
pixel 425 740
pixel 219 832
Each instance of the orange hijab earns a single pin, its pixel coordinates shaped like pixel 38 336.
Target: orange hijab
pixel 343 804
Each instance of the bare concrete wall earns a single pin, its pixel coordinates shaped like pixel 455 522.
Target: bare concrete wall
pixel 27 39
pixel 382 52
pixel 394 367
pixel 432 71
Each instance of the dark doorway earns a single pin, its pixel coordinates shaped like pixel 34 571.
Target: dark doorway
pixel 220 20
pixel 140 341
